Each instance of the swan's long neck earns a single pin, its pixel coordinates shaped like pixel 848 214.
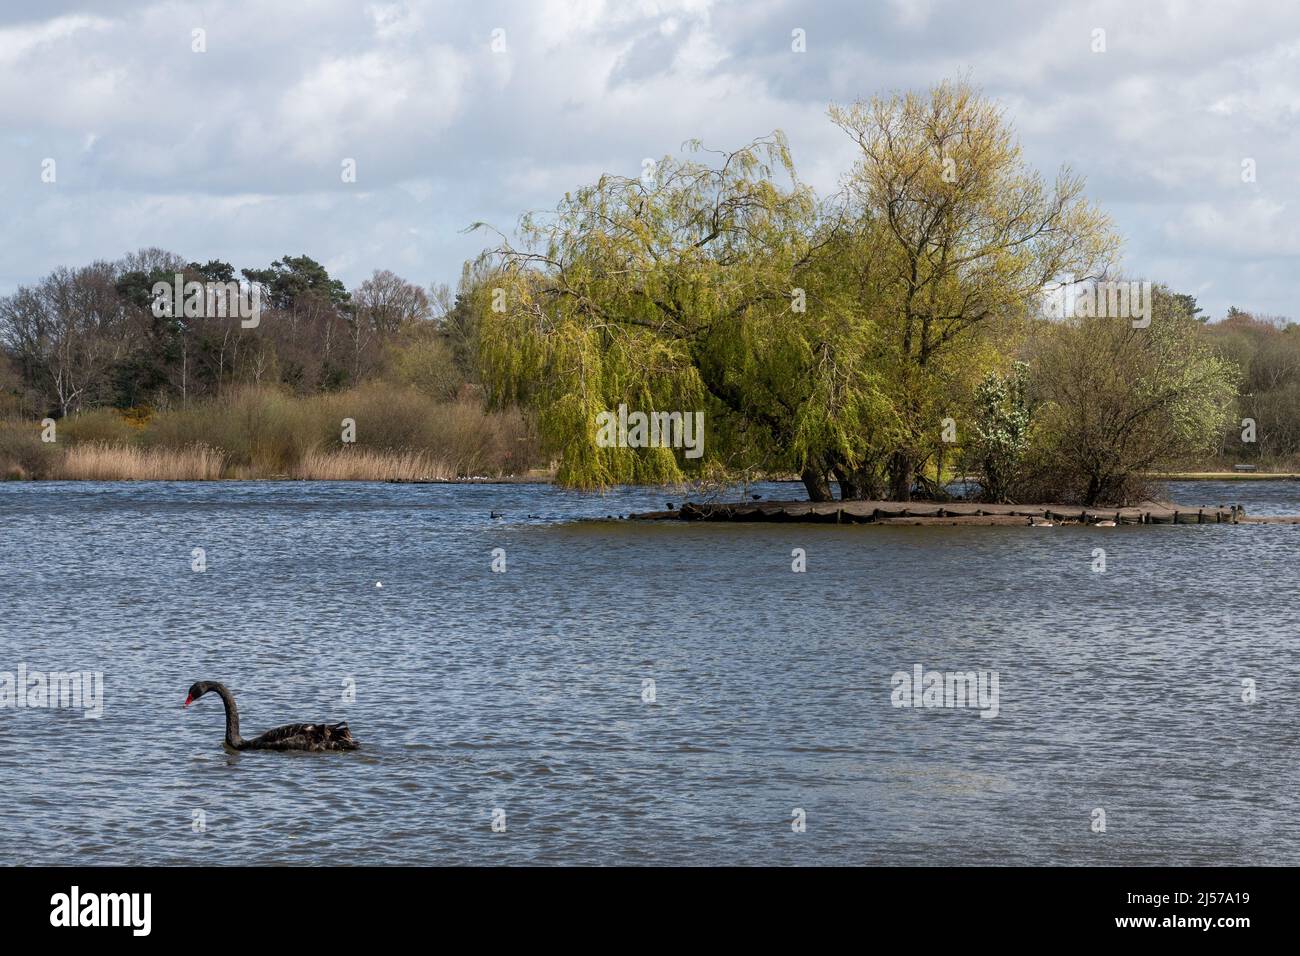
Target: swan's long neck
pixel 232 715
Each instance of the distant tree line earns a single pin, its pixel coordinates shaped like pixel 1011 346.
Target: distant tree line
pixel 90 337
pixel 1265 349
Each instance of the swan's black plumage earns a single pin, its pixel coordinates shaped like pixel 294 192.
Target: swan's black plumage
pixel 288 737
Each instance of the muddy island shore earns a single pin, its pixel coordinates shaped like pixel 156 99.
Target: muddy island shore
pixel 957 513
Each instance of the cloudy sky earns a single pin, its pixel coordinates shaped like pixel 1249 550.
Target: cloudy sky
pixel 236 152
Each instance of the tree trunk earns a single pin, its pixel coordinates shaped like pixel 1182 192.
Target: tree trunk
pixel 858 484
pixel 902 475
pixel 850 488
pixel 814 480
pixel 1090 493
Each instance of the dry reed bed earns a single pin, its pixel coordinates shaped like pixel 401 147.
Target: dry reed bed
pixel 354 464
pixel 96 461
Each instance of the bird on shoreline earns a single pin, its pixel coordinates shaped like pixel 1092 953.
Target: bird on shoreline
pixel 310 737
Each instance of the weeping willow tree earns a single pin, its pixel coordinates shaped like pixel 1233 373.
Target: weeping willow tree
pixel 951 235
pixel 828 339
pixel 703 285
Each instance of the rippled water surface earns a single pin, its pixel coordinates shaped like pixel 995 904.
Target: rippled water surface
pixel 523 690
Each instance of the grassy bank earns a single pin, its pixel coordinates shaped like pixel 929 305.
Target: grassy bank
pixel 260 433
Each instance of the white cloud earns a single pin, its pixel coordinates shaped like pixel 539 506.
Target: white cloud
pixel 235 152
pixel 19 42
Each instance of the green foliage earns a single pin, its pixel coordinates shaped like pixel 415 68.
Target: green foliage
pixel 671 293
pixel 952 239
pixel 819 338
pixel 1002 431
pixel 292 278
pixel 1186 304
pixel 1119 402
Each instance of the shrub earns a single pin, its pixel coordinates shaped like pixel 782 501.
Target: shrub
pixel 97 425
pixel 427 365
pixel 23 454
pixel 1120 402
pixel 1002 431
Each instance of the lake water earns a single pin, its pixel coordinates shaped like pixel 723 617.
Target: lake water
pixel 525 691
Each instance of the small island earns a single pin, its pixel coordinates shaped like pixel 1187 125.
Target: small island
pixel 958 513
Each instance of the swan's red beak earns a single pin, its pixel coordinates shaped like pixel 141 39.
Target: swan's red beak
pixel 189 699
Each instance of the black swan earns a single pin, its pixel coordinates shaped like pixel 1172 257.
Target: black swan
pixel 289 737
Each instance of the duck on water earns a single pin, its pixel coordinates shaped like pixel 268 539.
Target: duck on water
pixel 312 737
